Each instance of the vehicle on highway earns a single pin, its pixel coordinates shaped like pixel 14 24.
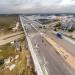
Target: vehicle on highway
pixel 40 26
pixel 59 35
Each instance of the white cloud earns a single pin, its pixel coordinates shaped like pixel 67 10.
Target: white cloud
pixel 15 6
pixel 67 2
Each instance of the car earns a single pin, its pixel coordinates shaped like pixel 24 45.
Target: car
pixel 40 26
pixel 59 35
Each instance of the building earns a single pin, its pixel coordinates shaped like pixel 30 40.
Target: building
pixel 67 22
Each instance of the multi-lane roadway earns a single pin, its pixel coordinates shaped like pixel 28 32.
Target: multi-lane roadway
pixel 53 63
pixel 62 42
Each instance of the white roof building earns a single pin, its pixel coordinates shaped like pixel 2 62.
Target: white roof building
pixel 67 22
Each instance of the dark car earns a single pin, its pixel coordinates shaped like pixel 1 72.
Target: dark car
pixel 59 35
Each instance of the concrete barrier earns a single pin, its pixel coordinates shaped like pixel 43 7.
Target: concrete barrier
pixel 35 60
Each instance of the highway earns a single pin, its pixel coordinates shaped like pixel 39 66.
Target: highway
pixel 65 44
pixel 52 61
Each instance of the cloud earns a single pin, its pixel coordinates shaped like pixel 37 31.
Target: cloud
pixel 67 2
pixel 36 6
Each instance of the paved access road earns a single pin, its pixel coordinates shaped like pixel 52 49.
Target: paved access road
pixel 10 37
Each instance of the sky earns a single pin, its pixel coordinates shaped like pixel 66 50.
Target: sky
pixel 37 6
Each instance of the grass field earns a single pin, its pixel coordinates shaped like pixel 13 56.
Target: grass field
pixel 22 67
pixel 7 23
pixel 7 50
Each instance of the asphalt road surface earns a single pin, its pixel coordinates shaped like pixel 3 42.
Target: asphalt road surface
pixel 62 42
pixel 53 62
pixel 69 47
